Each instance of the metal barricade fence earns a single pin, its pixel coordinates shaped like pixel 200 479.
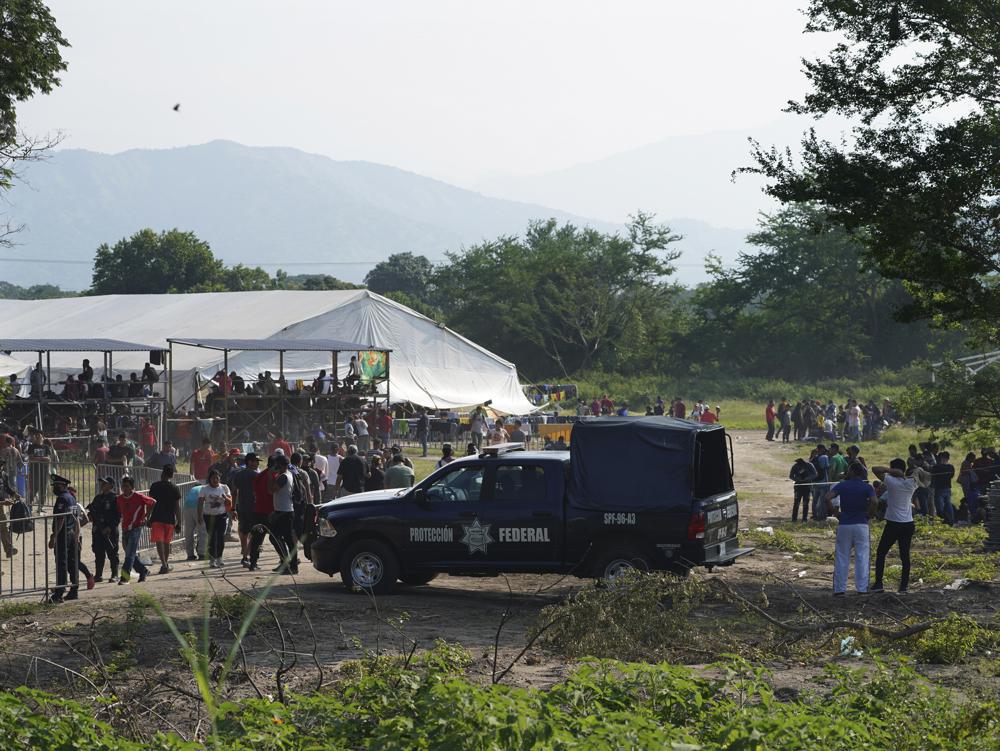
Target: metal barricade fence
pixel 32 569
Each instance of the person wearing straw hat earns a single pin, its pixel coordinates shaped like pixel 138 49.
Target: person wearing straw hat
pixel 104 515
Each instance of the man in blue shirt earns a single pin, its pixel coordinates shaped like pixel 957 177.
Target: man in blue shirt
pixel 857 505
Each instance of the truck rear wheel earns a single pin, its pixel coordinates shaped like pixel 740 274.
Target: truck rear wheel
pixel 618 561
pixel 370 566
pixel 416 578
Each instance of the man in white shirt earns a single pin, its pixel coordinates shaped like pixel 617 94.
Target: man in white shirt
pixel 899 525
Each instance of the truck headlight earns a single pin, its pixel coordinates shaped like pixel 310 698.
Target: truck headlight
pixel 326 528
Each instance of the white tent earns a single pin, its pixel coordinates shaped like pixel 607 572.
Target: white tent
pixel 429 365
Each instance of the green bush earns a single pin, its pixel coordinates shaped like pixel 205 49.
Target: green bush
pixel 948 642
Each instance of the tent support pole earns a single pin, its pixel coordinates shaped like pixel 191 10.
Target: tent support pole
pixel 41 424
pixel 281 391
pixel 225 391
pixel 170 378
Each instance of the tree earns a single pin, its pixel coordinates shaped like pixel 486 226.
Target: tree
pixel 965 406
pixel 562 298
pixel 402 272
pixel 321 282
pixel 920 175
pixel 806 303
pixel 151 263
pixel 30 63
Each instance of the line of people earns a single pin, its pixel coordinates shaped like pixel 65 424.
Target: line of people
pixel 810 419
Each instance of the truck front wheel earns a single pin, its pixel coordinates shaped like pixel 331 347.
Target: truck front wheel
pixel 619 561
pixel 370 566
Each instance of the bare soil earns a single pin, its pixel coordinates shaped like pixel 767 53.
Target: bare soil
pixel 342 626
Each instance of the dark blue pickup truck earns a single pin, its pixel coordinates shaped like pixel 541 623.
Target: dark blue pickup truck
pixel 650 493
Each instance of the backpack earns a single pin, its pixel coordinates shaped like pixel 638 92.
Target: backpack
pixel 20 518
pixel 300 488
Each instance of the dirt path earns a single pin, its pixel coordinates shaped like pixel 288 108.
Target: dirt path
pixel 462 609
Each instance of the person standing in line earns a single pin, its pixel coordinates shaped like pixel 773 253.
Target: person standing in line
pixel 163 457
pixel 214 505
pixel 447 456
pixel 104 515
pixel 769 417
pixel 8 495
pixel 785 418
pixel 398 475
pixel 263 508
pixel 499 434
pixel 166 515
pixel 351 473
pixel 133 508
pixel 40 459
pixel 857 506
pixel 244 500
pixel 423 429
pixel 322 466
pixel 477 424
pixel 281 485
pixel 803 474
pixel 821 461
pixel 64 541
pixel 194 525
pixel 120 457
pixel 383 423
pixel 361 430
pixel 202 460
pixel 376 477
pixel 899 526
pixel 838 464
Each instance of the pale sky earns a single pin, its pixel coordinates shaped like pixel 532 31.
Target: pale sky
pixel 459 90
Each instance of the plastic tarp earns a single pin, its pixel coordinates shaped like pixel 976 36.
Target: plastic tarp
pixel 633 463
pixel 430 365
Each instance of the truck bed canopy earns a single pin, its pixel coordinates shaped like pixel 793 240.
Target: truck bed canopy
pixel 634 463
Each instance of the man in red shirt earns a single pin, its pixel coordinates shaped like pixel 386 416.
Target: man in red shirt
pixel 680 409
pixel 133 507
pixel 769 415
pixel 263 507
pixel 607 406
pixel 709 417
pixel 279 442
pixel 202 460
pixel 384 426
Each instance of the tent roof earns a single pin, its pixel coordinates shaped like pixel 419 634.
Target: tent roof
pixel 73 345
pixel 431 364
pixel 278 345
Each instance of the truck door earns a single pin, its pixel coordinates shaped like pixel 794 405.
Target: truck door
pixel 436 530
pixel 524 515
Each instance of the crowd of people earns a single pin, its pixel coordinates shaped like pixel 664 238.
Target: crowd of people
pixel 604 406
pixel 232 494
pixel 84 385
pixel 812 420
pixel 832 483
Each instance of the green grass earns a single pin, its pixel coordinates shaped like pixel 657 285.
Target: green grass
pixel 19 609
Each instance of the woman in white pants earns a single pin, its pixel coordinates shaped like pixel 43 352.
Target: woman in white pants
pixel 857 506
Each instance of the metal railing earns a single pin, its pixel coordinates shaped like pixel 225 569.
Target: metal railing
pixel 32 569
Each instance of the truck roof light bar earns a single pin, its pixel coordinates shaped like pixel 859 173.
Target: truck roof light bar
pixel 499 449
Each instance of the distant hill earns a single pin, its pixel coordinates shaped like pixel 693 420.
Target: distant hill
pixel 266 206
pixel 681 176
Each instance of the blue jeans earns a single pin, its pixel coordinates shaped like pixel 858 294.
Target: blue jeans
pixel 819 502
pixel 942 502
pixel 423 443
pixel 131 551
pixel 851 537
pixel 973 499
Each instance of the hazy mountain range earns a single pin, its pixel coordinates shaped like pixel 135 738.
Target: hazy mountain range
pixel 303 212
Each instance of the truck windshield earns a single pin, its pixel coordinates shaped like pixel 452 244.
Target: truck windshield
pixel 712 473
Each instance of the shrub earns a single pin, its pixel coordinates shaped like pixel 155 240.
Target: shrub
pixel 948 642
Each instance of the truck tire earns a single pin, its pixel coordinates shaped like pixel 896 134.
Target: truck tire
pixel 614 561
pixel 369 566
pixel 417 578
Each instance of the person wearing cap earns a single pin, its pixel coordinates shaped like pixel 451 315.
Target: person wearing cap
pixel 64 540
pixel 133 507
pixel 104 515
